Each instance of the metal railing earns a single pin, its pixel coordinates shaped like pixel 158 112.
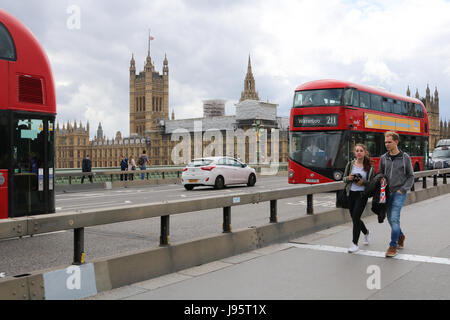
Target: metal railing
pixel 31 225
pixel 118 175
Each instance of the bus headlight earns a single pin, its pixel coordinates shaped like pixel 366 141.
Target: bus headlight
pixel 291 174
pixel 337 175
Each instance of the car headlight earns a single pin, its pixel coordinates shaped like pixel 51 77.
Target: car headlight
pixel 337 175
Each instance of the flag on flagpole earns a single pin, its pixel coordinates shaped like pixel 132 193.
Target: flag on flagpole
pixel 151 38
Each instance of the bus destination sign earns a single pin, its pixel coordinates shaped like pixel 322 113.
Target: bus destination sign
pixel 316 120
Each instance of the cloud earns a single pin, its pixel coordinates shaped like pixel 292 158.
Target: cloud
pixel 391 44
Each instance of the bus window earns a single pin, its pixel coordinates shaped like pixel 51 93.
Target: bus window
pixel 364 99
pixel 387 105
pixel 7 50
pixel 397 107
pixel 376 102
pixel 404 109
pixel 348 97
pixel 355 98
pixel 411 110
pixel 419 111
pixel 318 98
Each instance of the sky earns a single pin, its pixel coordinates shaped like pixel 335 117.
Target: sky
pixel 389 44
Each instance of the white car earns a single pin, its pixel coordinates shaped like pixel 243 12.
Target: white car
pixel 218 172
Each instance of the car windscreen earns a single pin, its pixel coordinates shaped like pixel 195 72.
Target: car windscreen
pixel 441 153
pixel 200 163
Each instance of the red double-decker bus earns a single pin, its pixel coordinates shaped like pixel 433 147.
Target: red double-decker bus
pixel 329 117
pixel 27 116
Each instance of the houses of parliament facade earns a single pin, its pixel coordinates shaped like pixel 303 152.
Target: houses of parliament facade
pixel 152 130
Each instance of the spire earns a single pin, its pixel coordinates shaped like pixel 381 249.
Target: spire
pixel 428 96
pixel 100 131
pixel 249 84
pixel 417 94
pixel 173 114
pixel 408 92
pixel 165 66
pixel 132 64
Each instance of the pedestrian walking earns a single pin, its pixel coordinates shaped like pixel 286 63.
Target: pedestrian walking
pixel 86 166
pixel 142 162
pixel 357 176
pixel 123 167
pixel 131 167
pixel 397 166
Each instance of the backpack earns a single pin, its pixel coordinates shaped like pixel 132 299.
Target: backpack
pixel 141 161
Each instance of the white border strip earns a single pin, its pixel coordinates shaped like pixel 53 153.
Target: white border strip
pixel 378 254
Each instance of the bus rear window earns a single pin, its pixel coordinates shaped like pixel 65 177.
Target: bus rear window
pixel 7 50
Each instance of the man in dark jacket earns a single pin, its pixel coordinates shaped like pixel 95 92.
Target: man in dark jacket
pixel 86 166
pixel 397 166
pixel 123 167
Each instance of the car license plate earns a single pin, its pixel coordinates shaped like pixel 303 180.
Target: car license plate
pixel 193 180
pixel 312 180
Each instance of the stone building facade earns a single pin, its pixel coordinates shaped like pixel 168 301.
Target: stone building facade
pixel 438 129
pixel 247 135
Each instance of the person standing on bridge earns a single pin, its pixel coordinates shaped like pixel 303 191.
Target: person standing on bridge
pixel 397 166
pixel 357 176
pixel 86 166
pixel 142 162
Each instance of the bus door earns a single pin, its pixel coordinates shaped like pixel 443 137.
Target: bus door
pixel 32 166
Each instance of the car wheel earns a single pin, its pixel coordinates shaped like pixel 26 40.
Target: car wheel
pixel 220 183
pixel 251 180
pixel 188 186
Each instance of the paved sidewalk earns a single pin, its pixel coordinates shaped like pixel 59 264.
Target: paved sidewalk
pixel 317 266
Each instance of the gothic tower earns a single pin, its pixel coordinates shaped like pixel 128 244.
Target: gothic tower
pixel 149 97
pixel 249 92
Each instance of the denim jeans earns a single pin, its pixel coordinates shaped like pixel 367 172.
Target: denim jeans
pixel 394 206
pixel 143 174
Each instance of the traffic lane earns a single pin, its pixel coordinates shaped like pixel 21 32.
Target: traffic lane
pixel 39 252
pixel 149 194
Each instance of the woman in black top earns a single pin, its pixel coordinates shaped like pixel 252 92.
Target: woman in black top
pixel 357 176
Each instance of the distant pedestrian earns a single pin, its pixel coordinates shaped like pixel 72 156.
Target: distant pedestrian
pixel 86 166
pixel 123 167
pixel 142 162
pixel 358 174
pixel 397 166
pixel 131 167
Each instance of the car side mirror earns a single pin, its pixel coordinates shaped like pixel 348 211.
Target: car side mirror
pixel 244 165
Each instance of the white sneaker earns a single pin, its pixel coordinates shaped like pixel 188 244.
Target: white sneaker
pixel 353 248
pixel 366 241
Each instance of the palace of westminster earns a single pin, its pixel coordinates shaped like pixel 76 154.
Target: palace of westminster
pixel 152 130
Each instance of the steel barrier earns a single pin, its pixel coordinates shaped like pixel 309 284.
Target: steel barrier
pixel 31 225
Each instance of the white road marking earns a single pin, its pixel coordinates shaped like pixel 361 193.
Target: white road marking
pixel 378 254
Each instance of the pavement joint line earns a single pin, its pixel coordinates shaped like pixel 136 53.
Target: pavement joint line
pixel 377 254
